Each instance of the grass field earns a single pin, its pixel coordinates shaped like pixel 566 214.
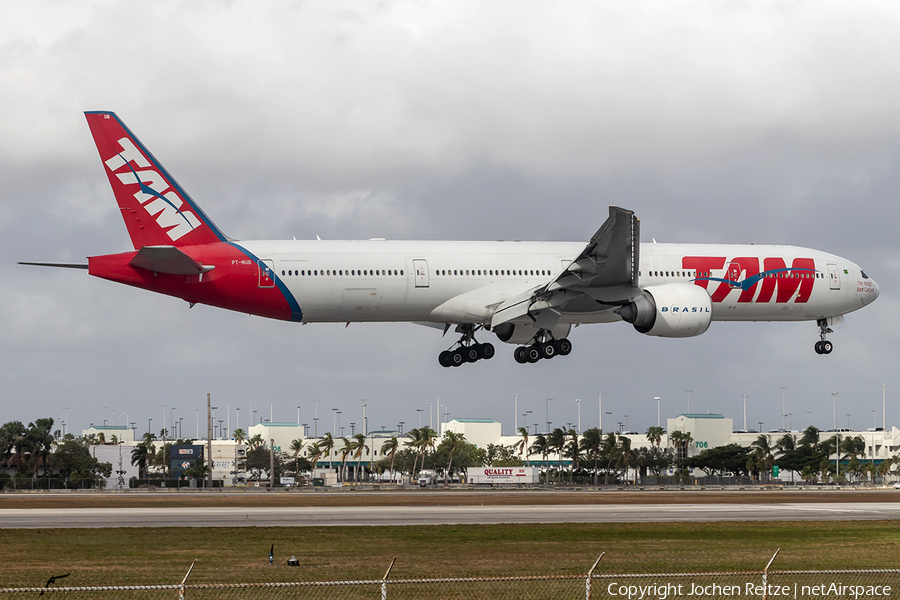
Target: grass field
pixel 163 555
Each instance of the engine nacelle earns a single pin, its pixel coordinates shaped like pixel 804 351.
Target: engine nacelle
pixel 521 333
pixel 672 310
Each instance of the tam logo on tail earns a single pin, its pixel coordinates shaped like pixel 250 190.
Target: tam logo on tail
pixel 168 208
pixel 156 210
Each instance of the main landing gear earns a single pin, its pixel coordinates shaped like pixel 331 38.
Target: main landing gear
pixel 547 348
pixel 823 346
pixel 468 349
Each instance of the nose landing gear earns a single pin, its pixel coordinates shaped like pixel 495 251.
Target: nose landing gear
pixel 823 346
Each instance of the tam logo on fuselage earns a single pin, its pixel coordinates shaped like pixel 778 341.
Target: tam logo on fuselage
pixel 165 205
pixel 775 279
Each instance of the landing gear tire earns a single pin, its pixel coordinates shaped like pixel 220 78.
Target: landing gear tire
pixel 564 346
pixel 533 353
pixel 487 351
pixel 472 353
pixel 457 358
pixel 445 358
pixel 547 349
pixel 519 354
pixel 824 347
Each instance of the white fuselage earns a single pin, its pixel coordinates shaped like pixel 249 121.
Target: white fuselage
pixel 464 282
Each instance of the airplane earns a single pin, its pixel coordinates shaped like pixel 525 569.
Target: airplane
pixel 529 294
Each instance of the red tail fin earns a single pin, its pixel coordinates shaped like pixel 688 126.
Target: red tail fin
pixel 156 210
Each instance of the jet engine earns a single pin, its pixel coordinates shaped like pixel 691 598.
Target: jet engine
pixel 521 333
pixel 673 310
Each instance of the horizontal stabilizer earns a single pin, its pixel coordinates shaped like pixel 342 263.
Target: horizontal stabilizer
pixel 58 265
pixel 167 259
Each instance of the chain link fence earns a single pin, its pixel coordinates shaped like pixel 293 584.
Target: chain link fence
pixel 758 585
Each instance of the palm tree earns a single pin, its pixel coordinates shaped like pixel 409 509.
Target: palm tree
pixel 358 445
pixel 414 442
pixel 427 441
pixel 573 451
pixel 681 440
pixel 541 446
pixel 239 435
pixel 453 441
pixel 810 437
pixel 625 455
pixel 141 456
pixel 763 450
pixel 296 448
pixel 557 441
pixel 326 444
pixel 314 453
pixel 654 435
pixel 610 450
pixel 389 447
pixel 592 442
pixel 522 444
pixel 345 454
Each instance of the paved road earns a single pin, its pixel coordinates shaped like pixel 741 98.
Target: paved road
pixel 40 518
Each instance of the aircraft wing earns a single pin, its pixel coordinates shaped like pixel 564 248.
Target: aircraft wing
pixel 606 271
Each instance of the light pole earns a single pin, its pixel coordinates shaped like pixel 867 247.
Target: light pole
pixel 578 400
pixel 419 410
pixel 834 396
pixel 745 412
pixel 149 430
pixel 848 420
pixel 808 419
pixel 657 408
pixel 333 422
pixel 600 407
pixel 782 407
pixel 430 421
pixel 298 415
pixel 271 412
pixel 874 419
pixel 626 423
pixel 548 413
pixel 883 422
pixel 689 402
pixel 237 418
pixel 515 413
pixel 364 428
pixel 316 421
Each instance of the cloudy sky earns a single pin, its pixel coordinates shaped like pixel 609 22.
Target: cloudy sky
pixel 768 123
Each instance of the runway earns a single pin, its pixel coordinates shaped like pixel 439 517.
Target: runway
pixel 41 518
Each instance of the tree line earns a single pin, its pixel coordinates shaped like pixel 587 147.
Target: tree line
pixel 809 455
pixel 31 456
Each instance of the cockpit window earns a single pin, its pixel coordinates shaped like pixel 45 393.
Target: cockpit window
pixel 863 274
